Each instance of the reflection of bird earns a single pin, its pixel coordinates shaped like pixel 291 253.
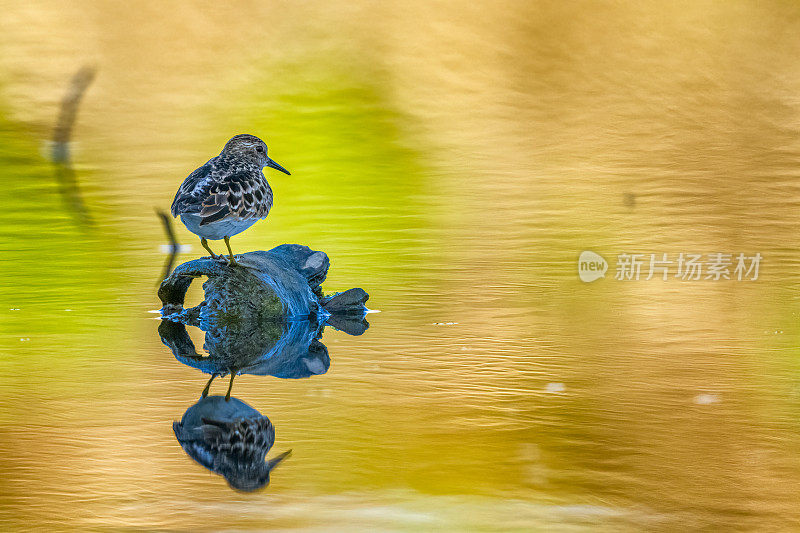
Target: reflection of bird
pixel 228 194
pixel 229 438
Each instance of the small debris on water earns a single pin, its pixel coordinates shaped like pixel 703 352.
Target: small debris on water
pixel 706 399
pixel 444 324
pixel 555 387
pixel 169 249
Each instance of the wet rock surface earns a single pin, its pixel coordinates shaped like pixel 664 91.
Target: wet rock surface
pixel 280 283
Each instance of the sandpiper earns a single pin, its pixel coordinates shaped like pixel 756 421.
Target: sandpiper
pixel 228 194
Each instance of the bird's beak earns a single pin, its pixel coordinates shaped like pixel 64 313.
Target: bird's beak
pixel 272 463
pixel 276 166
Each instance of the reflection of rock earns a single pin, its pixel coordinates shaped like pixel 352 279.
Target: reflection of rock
pixel 229 438
pixel 265 349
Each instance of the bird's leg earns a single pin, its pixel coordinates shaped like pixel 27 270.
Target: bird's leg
pixel 232 259
pixel 208 385
pixel 230 385
pixel 204 242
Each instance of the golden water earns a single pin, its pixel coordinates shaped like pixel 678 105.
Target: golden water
pixel 453 159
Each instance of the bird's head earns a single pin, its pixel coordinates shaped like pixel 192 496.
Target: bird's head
pixel 251 149
pixel 247 476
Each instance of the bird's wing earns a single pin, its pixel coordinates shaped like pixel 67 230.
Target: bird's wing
pixel 252 436
pixel 193 190
pixel 243 194
pixel 193 446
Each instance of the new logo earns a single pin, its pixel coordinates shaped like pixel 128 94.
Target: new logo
pixel 591 266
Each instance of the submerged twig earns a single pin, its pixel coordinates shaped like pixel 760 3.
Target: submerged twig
pixel 65 174
pixel 69 109
pixel 174 246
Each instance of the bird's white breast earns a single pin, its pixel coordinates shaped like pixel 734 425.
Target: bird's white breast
pixel 216 230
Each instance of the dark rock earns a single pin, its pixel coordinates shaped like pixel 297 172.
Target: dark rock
pixel 351 301
pixel 311 264
pixel 282 282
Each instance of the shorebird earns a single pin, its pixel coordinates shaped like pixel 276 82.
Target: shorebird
pixel 228 194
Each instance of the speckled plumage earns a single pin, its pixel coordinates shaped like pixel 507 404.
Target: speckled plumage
pixel 241 439
pixel 229 438
pixel 229 193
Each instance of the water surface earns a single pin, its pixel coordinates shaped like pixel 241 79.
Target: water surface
pixel 454 161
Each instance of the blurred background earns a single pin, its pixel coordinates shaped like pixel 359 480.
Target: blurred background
pixel 453 159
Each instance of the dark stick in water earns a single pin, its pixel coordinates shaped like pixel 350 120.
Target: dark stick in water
pixel 174 246
pixel 65 174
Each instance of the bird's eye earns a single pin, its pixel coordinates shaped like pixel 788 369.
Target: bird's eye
pixel 260 149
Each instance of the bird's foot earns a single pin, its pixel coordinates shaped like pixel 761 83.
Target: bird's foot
pixel 230 252
pixel 232 261
pixel 204 244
